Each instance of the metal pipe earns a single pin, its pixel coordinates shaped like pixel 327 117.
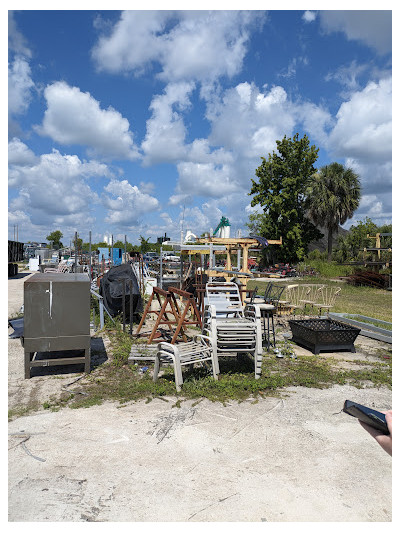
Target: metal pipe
pixel 181 272
pixel 76 251
pixel 90 255
pixel 130 306
pixel 123 305
pixel 125 251
pixel 160 267
pixel 112 250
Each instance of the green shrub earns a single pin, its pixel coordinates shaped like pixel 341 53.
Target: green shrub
pixel 329 269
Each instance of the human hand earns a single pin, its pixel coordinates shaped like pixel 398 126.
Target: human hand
pixel 385 441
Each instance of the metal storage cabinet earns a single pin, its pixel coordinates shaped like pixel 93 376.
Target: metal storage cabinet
pixel 56 318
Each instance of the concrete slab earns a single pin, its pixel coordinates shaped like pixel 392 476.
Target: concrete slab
pixel 279 460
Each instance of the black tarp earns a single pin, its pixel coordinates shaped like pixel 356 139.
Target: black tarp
pixel 18 326
pixel 15 251
pixel 112 287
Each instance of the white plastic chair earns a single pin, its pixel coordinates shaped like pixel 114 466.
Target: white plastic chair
pixel 199 350
pixel 225 296
pixel 231 336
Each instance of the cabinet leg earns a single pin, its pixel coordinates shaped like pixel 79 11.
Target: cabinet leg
pixel 87 360
pixel 27 364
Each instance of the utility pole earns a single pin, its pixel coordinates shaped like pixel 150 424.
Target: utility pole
pixel 76 251
pixel 90 255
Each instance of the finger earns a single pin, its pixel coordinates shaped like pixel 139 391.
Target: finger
pixel 372 431
pixel 388 416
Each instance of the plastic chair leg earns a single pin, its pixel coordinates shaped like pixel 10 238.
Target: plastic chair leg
pixel 156 367
pixel 178 374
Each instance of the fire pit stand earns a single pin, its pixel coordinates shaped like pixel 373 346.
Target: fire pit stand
pixel 318 334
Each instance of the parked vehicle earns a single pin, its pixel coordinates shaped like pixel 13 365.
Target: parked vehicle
pixel 151 256
pixel 170 256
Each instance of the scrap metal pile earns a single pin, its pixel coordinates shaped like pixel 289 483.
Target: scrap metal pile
pixel 281 270
pixel 371 279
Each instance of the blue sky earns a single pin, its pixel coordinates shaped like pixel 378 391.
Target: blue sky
pixel 151 122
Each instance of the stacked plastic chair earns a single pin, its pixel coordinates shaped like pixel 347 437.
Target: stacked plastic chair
pixel 232 328
pixel 199 350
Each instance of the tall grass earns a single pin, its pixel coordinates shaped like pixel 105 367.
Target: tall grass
pixel 329 269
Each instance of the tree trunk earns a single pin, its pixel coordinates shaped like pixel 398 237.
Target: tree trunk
pixel 330 239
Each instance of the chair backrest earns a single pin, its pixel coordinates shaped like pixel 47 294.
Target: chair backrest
pixel 313 291
pixel 327 295
pixel 225 296
pixel 268 290
pixel 274 295
pixel 292 294
pixel 254 295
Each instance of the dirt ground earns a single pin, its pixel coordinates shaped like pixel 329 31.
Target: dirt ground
pixel 292 459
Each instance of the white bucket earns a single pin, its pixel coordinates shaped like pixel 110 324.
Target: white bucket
pixel 34 264
pixel 150 283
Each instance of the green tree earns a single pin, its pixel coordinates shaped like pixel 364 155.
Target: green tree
pixel 357 237
pixel 145 246
pixel 55 238
pixel 280 191
pixel 333 195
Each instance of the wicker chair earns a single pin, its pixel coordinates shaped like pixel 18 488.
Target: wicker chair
pixel 296 296
pixel 326 298
pixel 311 295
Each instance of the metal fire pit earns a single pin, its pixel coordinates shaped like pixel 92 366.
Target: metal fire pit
pixel 318 334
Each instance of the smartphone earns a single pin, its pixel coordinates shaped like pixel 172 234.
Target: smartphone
pixel 373 418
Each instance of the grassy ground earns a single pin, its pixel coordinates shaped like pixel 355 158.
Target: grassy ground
pixel 128 383
pixel 375 303
pixel 119 381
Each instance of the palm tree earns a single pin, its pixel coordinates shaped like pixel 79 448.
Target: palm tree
pixel 333 195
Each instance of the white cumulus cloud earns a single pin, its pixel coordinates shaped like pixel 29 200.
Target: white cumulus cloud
pixel 373 28
pixel 126 203
pixel 75 117
pixel 309 16
pixel 364 124
pixel 16 41
pixel 20 86
pixel 166 131
pixel 20 154
pixel 54 187
pixel 185 45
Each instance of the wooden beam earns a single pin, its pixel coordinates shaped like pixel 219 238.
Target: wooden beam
pixel 237 242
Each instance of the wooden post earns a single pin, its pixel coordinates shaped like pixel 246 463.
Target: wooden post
pixel 245 267
pixel 228 258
